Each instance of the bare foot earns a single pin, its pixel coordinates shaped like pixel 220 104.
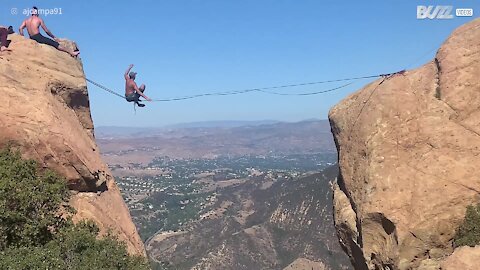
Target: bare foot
pixel 75 54
pixel 5 49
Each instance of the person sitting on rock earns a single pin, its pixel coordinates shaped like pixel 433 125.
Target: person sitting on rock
pixel 4 32
pixel 132 91
pixel 33 24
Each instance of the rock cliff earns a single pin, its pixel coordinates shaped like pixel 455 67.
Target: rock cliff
pixel 45 114
pixel 409 156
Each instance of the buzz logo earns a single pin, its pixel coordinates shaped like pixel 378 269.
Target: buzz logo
pixel 434 12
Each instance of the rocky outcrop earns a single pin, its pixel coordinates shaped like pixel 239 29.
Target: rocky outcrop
pixel 45 113
pixel 409 156
pixel 465 258
pixel 302 264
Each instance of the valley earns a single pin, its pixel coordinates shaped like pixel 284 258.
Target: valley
pixel 221 208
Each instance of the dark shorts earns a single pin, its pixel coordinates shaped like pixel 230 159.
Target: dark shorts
pixel 43 40
pixel 135 96
pixel 132 97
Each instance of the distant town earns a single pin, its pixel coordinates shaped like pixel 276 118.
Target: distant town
pixel 170 194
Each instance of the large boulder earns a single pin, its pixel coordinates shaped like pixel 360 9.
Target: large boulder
pixel 409 156
pixel 465 258
pixel 45 114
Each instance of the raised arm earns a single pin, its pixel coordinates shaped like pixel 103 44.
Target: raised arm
pixel 128 71
pixel 42 23
pixel 20 30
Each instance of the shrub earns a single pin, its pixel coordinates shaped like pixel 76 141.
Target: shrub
pixel 29 203
pixel 36 231
pixel 468 234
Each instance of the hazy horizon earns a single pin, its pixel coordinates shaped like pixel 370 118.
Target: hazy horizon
pixel 213 123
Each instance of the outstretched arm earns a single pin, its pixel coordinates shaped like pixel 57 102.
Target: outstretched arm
pixel 42 23
pixel 140 92
pixel 20 30
pixel 128 70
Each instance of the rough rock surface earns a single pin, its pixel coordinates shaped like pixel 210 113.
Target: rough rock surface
pixel 45 114
pixel 409 156
pixel 465 258
pixel 302 264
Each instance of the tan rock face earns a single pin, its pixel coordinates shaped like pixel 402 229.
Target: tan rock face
pixel 409 156
pixel 465 258
pixel 45 113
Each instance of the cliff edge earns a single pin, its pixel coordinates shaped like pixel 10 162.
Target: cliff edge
pixel 409 157
pixel 45 113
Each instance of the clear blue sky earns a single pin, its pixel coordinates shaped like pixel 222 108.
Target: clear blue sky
pixel 187 47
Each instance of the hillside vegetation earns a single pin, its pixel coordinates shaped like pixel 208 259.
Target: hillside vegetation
pixel 36 230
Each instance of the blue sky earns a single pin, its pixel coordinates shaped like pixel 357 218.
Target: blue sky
pixel 187 47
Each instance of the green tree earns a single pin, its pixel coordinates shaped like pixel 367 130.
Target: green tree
pixel 468 234
pixel 36 231
pixel 29 203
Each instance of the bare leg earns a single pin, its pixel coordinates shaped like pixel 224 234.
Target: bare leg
pixel 3 49
pixel 142 87
pixel 63 49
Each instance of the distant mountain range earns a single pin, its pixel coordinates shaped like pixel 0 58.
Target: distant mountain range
pixel 123 145
pixel 223 124
pixel 116 131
